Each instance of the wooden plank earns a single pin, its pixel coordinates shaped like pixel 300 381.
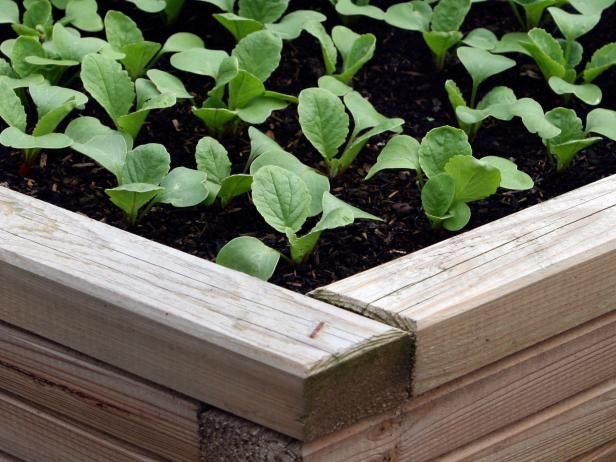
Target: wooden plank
pixel 208 332
pixel 35 435
pixel 495 290
pixel 470 408
pixel 99 396
pixel 562 432
pixel 7 458
pixel 605 453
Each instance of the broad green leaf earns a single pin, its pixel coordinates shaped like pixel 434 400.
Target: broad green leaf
pixel 244 88
pixel 215 118
pixel 199 61
pixel 570 125
pixel 437 197
pixel 591 6
pixel 249 255
pixel 260 109
pixel 233 186
pixel 138 56
pixel 587 92
pixel 510 176
pixel 83 14
pixel 148 163
pixel 168 83
pixel 182 41
pixel 121 30
pixel 150 6
pixel 72 47
pixel 281 197
pixel 264 11
pixel 50 121
pixel 184 187
pixel 602 122
pixel 328 47
pixel 439 145
pixel 440 42
pixel 238 26
pixel 332 203
pixel 34 79
pixel 348 8
pixel 15 138
pixel 512 43
pixel 334 85
pixel 225 5
pixel 23 48
pixel 38 13
pixel 132 197
pixel 474 180
pixel 259 53
pixel 415 16
pixel 448 15
pixel 547 53
pixel 602 60
pixel 571 25
pixel 260 143
pixel 291 25
pixel 42 62
pixel 11 109
pixel 324 120
pixel 533 118
pixel 364 114
pixel 401 152
pixel 109 84
pixel 213 159
pixel 131 123
pixel 482 64
pixel 481 38
pixel 9 12
pixel 47 98
pixel 460 214
pixel 302 247
pixel 356 50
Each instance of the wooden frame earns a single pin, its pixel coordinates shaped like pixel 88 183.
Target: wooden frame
pixel 483 325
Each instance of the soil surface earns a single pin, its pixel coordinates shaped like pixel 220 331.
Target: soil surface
pixel 400 81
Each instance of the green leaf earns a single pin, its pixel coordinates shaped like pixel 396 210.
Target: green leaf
pixel 602 60
pixel 291 25
pixel 356 50
pixel 23 48
pixel 233 186
pixel 591 6
pixel 238 26
pixel 481 38
pixel 324 120
pixel 440 42
pixel 15 138
pixel 138 56
pixel 38 13
pixel 259 54
pixel 47 98
pixel 213 159
pixel 249 255
pixel 9 12
pixel 121 30
pixel 215 118
pixel 168 83
pixel 400 152
pixel 148 163
pixel 571 25
pixel 281 197
pixel 150 6
pixel 482 64
pixel 437 197
pixel 244 88
pixel 225 5
pixel 602 122
pixel 72 47
pixel 449 15
pixel 182 41
pixel 259 109
pixel 474 179
pixel 184 187
pixel 260 143
pixel 11 109
pixel 415 16
pixel 512 43
pixel 264 11
pixel 328 47
pixel 327 82
pixel 587 92
pixel 511 177
pixel 132 197
pixel 348 8
pixel 572 138
pixel 547 53
pixel 109 84
pixel 439 145
pixel 199 61
pixel 83 14
pixel 460 215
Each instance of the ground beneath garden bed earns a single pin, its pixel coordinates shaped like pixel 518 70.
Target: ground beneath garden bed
pixel 400 81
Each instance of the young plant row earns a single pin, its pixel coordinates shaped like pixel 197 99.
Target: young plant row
pixel 65 46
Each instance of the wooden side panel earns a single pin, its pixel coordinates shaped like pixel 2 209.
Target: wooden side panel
pixel 213 334
pixel 470 408
pixel 6 458
pixel 605 453
pixel 98 396
pixel 564 431
pixel 495 290
pixel 36 435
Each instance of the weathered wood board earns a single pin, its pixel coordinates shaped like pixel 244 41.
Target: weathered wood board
pixel 495 290
pixel 99 396
pixel 33 434
pixel 605 453
pixel 7 458
pixel 283 360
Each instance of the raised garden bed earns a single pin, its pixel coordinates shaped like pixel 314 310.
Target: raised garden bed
pixel 495 344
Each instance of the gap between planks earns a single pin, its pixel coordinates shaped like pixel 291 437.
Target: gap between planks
pixel 208 332
pixel 490 292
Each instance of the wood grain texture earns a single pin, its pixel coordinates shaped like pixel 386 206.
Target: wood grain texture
pixel 562 432
pixel 472 407
pixel 7 458
pixel 36 435
pixel 99 396
pixel 495 290
pixel 605 453
pixel 213 334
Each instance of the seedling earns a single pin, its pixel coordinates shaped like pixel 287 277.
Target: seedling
pixel 326 124
pixel 170 8
pixel 239 94
pixel 143 173
pixel 455 177
pixel 574 137
pixel 52 104
pixel 355 49
pixel 256 15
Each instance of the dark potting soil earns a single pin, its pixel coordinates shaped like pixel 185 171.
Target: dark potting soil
pixel 400 81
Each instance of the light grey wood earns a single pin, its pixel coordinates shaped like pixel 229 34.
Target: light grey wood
pixel 99 396
pixel 211 333
pixel 490 292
